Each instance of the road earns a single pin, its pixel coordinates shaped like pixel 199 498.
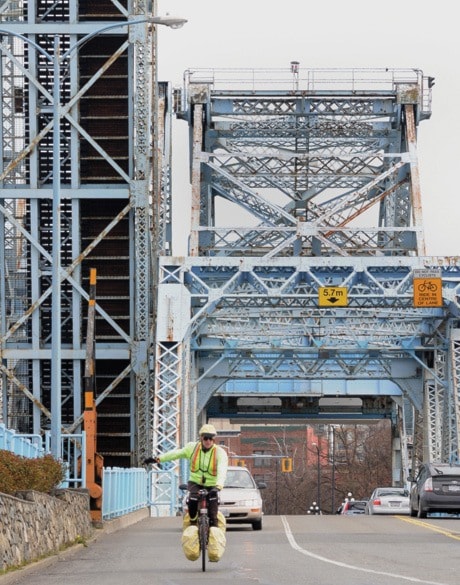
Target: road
pixel 290 550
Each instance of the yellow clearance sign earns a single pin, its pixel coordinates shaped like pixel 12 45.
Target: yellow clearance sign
pixel 428 292
pixel 332 296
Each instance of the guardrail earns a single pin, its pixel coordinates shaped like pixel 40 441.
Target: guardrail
pixel 24 445
pixel 163 492
pixel 128 489
pixel 34 446
pixel 124 491
pixel 73 453
pixel 300 80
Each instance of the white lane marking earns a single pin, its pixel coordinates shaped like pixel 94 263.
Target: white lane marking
pixel 301 550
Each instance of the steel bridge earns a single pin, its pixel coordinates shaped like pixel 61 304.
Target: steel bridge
pixel 306 249
pixel 307 275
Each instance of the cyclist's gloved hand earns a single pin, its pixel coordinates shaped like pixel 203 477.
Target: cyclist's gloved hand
pixel 150 460
pixel 214 491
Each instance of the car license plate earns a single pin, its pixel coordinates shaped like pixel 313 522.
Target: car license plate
pixel 395 504
pixel 454 488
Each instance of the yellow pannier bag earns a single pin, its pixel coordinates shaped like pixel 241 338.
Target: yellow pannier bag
pixel 216 544
pixel 221 522
pixel 186 521
pixel 190 543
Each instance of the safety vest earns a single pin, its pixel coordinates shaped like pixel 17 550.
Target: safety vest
pixel 195 463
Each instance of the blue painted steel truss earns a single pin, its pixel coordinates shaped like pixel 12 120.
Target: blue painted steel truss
pixel 306 238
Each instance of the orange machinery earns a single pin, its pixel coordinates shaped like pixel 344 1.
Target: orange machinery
pixel 94 461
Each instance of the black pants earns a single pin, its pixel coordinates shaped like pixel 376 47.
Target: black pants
pixel 192 502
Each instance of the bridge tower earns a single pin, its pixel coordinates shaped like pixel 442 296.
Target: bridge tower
pixel 306 251
pixel 114 188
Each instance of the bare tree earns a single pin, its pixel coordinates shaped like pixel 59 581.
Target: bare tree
pixel 356 460
pixel 362 460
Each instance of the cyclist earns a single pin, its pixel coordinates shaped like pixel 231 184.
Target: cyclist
pixel 208 468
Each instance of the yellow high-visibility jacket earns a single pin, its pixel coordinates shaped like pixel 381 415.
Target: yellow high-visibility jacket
pixel 206 468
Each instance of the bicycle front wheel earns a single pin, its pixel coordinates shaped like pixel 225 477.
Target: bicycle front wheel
pixel 203 534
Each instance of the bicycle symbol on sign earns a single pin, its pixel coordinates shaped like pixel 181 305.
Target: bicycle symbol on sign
pixel 427 286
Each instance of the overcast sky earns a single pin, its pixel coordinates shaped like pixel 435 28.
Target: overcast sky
pixel 353 33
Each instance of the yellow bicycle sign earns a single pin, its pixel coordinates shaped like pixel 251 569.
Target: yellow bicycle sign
pixel 427 292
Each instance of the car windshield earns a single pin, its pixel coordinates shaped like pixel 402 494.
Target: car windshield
pixel 358 505
pixel 395 492
pixel 238 479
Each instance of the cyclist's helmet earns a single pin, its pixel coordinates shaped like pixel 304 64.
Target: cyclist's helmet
pixel 208 430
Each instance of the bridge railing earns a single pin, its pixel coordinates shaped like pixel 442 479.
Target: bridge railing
pixel 34 446
pixel 73 448
pixel 300 79
pixel 24 445
pixel 124 490
pixel 163 492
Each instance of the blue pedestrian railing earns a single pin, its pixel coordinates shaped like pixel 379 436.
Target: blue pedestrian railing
pixel 124 490
pixel 30 446
pixel 33 446
pixel 163 492
pixel 73 449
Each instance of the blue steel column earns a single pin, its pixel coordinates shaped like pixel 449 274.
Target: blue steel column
pixel 142 74
pixel 451 418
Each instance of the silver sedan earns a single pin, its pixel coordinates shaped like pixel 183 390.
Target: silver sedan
pixel 388 500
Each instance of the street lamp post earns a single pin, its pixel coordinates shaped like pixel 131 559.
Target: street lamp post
pixel 333 471
pixel 57 59
pixel 318 470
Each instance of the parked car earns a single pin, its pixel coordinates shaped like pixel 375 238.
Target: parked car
pixel 352 507
pixel 435 488
pixel 388 500
pixel 240 498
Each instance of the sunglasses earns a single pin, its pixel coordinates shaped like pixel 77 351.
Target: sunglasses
pixel 207 437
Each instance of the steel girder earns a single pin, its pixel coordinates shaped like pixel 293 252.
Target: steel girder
pixel 25 137
pixel 257 319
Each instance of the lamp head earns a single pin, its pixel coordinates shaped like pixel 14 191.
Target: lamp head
pixel 168 20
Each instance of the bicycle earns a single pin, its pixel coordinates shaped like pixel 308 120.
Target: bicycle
pixel 203 522
pixel 203 525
